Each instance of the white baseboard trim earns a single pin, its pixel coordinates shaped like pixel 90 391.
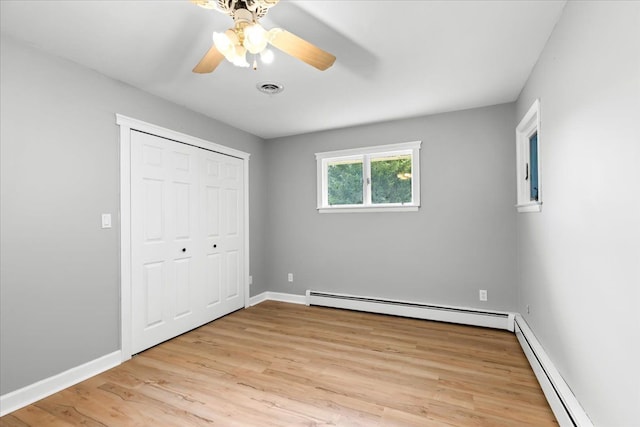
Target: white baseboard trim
pixel 277 296
pixel 563 402
pixel 20 398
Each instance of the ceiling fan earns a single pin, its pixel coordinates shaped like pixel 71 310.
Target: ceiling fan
pixel 248 35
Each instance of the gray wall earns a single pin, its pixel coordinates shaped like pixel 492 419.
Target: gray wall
pixel 59 291
pixel 580 257
pixel 461 240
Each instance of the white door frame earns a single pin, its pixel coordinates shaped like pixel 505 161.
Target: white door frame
pixel 127 124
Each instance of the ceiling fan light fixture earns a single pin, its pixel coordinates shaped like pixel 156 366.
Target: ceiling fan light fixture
pixel 224 42
pixel 239 57
pixel 255 38
pixel 228 44
pixel 267 56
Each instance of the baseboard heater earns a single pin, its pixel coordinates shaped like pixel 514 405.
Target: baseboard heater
pixel 562 401
pixel 465 316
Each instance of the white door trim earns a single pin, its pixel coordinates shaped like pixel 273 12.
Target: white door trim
pixel 126 125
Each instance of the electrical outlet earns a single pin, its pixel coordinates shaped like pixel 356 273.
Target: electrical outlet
pixel 250 280
pixel 483 294
pixel 290 277
pixel 528 309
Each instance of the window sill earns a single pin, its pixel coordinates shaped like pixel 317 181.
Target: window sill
pixel 530 207
pixel 368 209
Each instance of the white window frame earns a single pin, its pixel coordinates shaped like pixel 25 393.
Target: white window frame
pixel 366 153
pixel 529 125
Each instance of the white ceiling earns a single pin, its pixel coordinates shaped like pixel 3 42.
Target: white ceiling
pixel 395 59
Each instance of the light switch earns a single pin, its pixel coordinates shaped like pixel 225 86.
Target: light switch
pixel 106 220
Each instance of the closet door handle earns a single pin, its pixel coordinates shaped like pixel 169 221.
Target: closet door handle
pixel 184 249
pixel 215 246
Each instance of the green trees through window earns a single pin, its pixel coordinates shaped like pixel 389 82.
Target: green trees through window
pixel 345 182
pixel 390 180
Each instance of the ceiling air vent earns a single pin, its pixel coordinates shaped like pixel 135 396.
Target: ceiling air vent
pixel 270 88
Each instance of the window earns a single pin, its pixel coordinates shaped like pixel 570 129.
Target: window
pixel 528 158
pixel 372 179
pixel 533 167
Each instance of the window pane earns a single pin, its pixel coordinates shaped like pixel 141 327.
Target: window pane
pixel 533 166
pixel 391 179
pixel 345 182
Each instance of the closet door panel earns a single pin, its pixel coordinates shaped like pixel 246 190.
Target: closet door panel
pixel 186 239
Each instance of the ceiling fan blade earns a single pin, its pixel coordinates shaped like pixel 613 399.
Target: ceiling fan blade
pixel 206 4
pixel 303 50
pixel 209 61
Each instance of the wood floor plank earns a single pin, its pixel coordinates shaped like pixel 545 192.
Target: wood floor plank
pixel 32 416
pixel 278 364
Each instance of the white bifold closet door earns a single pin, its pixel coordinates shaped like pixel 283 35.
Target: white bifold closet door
pixel 187 219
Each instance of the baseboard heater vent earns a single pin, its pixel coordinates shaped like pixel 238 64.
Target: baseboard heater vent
pixel 563 402
pixel 465 316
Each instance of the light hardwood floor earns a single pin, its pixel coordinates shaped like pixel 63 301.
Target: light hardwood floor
pixel 278 364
